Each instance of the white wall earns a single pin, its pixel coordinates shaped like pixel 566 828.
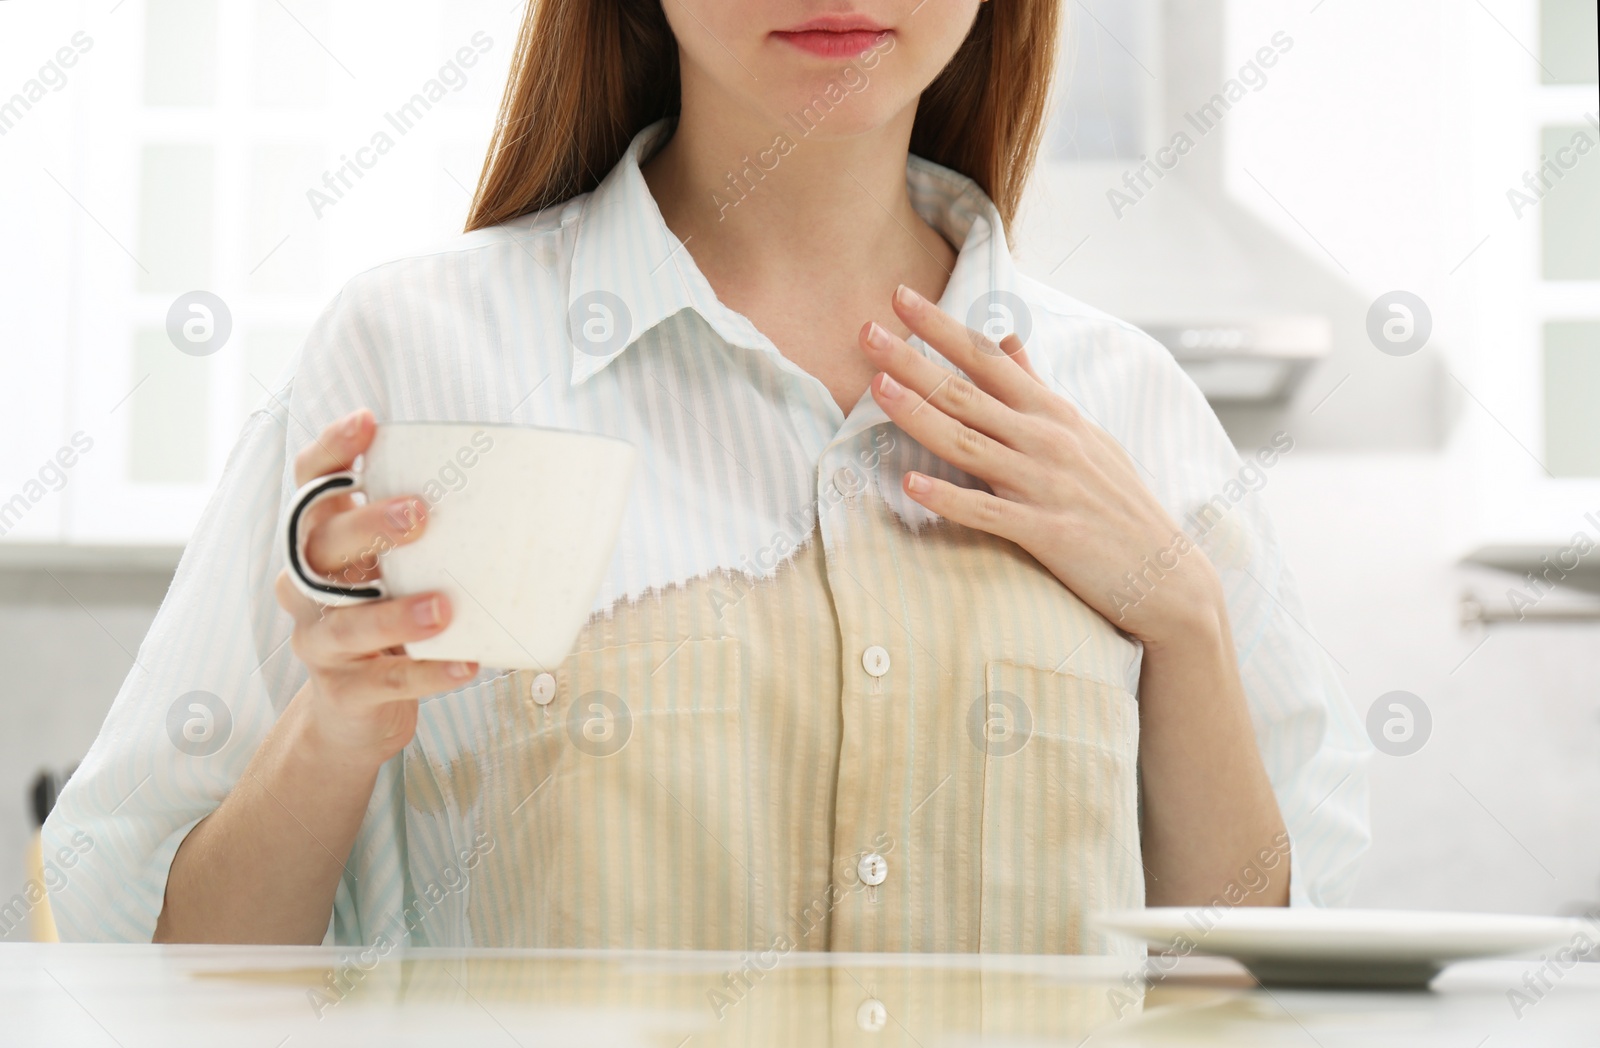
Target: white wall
pixel 1497 810
pixel 65 647
pixel 1382 140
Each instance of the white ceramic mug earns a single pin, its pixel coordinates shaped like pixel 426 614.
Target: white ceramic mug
pixel 521 525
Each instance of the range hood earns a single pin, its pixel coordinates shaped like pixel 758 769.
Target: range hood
pixel 1246 312
pixel 1253 360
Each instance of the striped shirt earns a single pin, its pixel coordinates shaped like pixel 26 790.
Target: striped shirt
pixel 804 711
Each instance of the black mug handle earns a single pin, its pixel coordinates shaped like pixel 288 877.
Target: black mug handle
pixel 292 539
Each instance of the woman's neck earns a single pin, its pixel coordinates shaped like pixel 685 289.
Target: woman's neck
pixel 775 204
pixel 806 236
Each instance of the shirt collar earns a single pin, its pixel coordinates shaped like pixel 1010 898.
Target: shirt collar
pixel 630 272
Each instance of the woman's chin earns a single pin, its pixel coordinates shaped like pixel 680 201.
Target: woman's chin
pixel 814 109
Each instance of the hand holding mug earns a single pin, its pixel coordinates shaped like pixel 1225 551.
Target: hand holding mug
pixel 363 689
pixel 493 540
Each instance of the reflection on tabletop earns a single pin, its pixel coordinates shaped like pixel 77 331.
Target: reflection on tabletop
pixel 128 995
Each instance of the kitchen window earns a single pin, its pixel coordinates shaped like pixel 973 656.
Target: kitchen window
pixel 1530 427
pixel 181 156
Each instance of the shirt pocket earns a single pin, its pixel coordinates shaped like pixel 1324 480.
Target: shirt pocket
pixel 1060 808
pixel 616 814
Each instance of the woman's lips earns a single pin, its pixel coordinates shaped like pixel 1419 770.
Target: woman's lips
pixel 831 43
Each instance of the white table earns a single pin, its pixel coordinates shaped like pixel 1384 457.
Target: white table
pixel 289 997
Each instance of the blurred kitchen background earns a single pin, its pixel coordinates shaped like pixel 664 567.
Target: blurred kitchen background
pixel 1378 233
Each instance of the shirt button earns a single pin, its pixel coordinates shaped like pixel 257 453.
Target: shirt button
pixel 543 689
pixel 846 481
pixel 872 1016
pixel 875 660
pixel 873 869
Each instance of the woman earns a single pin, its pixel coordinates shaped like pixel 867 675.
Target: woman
pixel 902 648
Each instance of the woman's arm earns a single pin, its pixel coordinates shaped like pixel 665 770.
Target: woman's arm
pixel 1211 826
pixel 264 866
pixel 1068 494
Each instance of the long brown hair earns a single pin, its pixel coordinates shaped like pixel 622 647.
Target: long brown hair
pixel 588 75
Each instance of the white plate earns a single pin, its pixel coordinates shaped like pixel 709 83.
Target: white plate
pixel 1308 946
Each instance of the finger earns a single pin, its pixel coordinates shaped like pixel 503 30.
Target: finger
pixel 394 678
pixel 1012 347
pixel 968 350
pixel 1088 436
pixel 336 447
pixel 1082 438
pixel 973 507
pixel 346 546
pixel 360 631
pixel 1059 403
pixel 959 444
pixel 301 607
pixel 953 394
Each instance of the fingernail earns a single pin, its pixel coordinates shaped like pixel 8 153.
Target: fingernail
pixel 461 670
pixel 427 612
pixel 876 336
pixel 888 386
pixel 916 482
pixel 352 423
pixel 907 297
pixel 405 514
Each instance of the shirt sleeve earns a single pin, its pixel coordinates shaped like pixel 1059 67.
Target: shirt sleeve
pixel 212 675
pixel 1311 741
